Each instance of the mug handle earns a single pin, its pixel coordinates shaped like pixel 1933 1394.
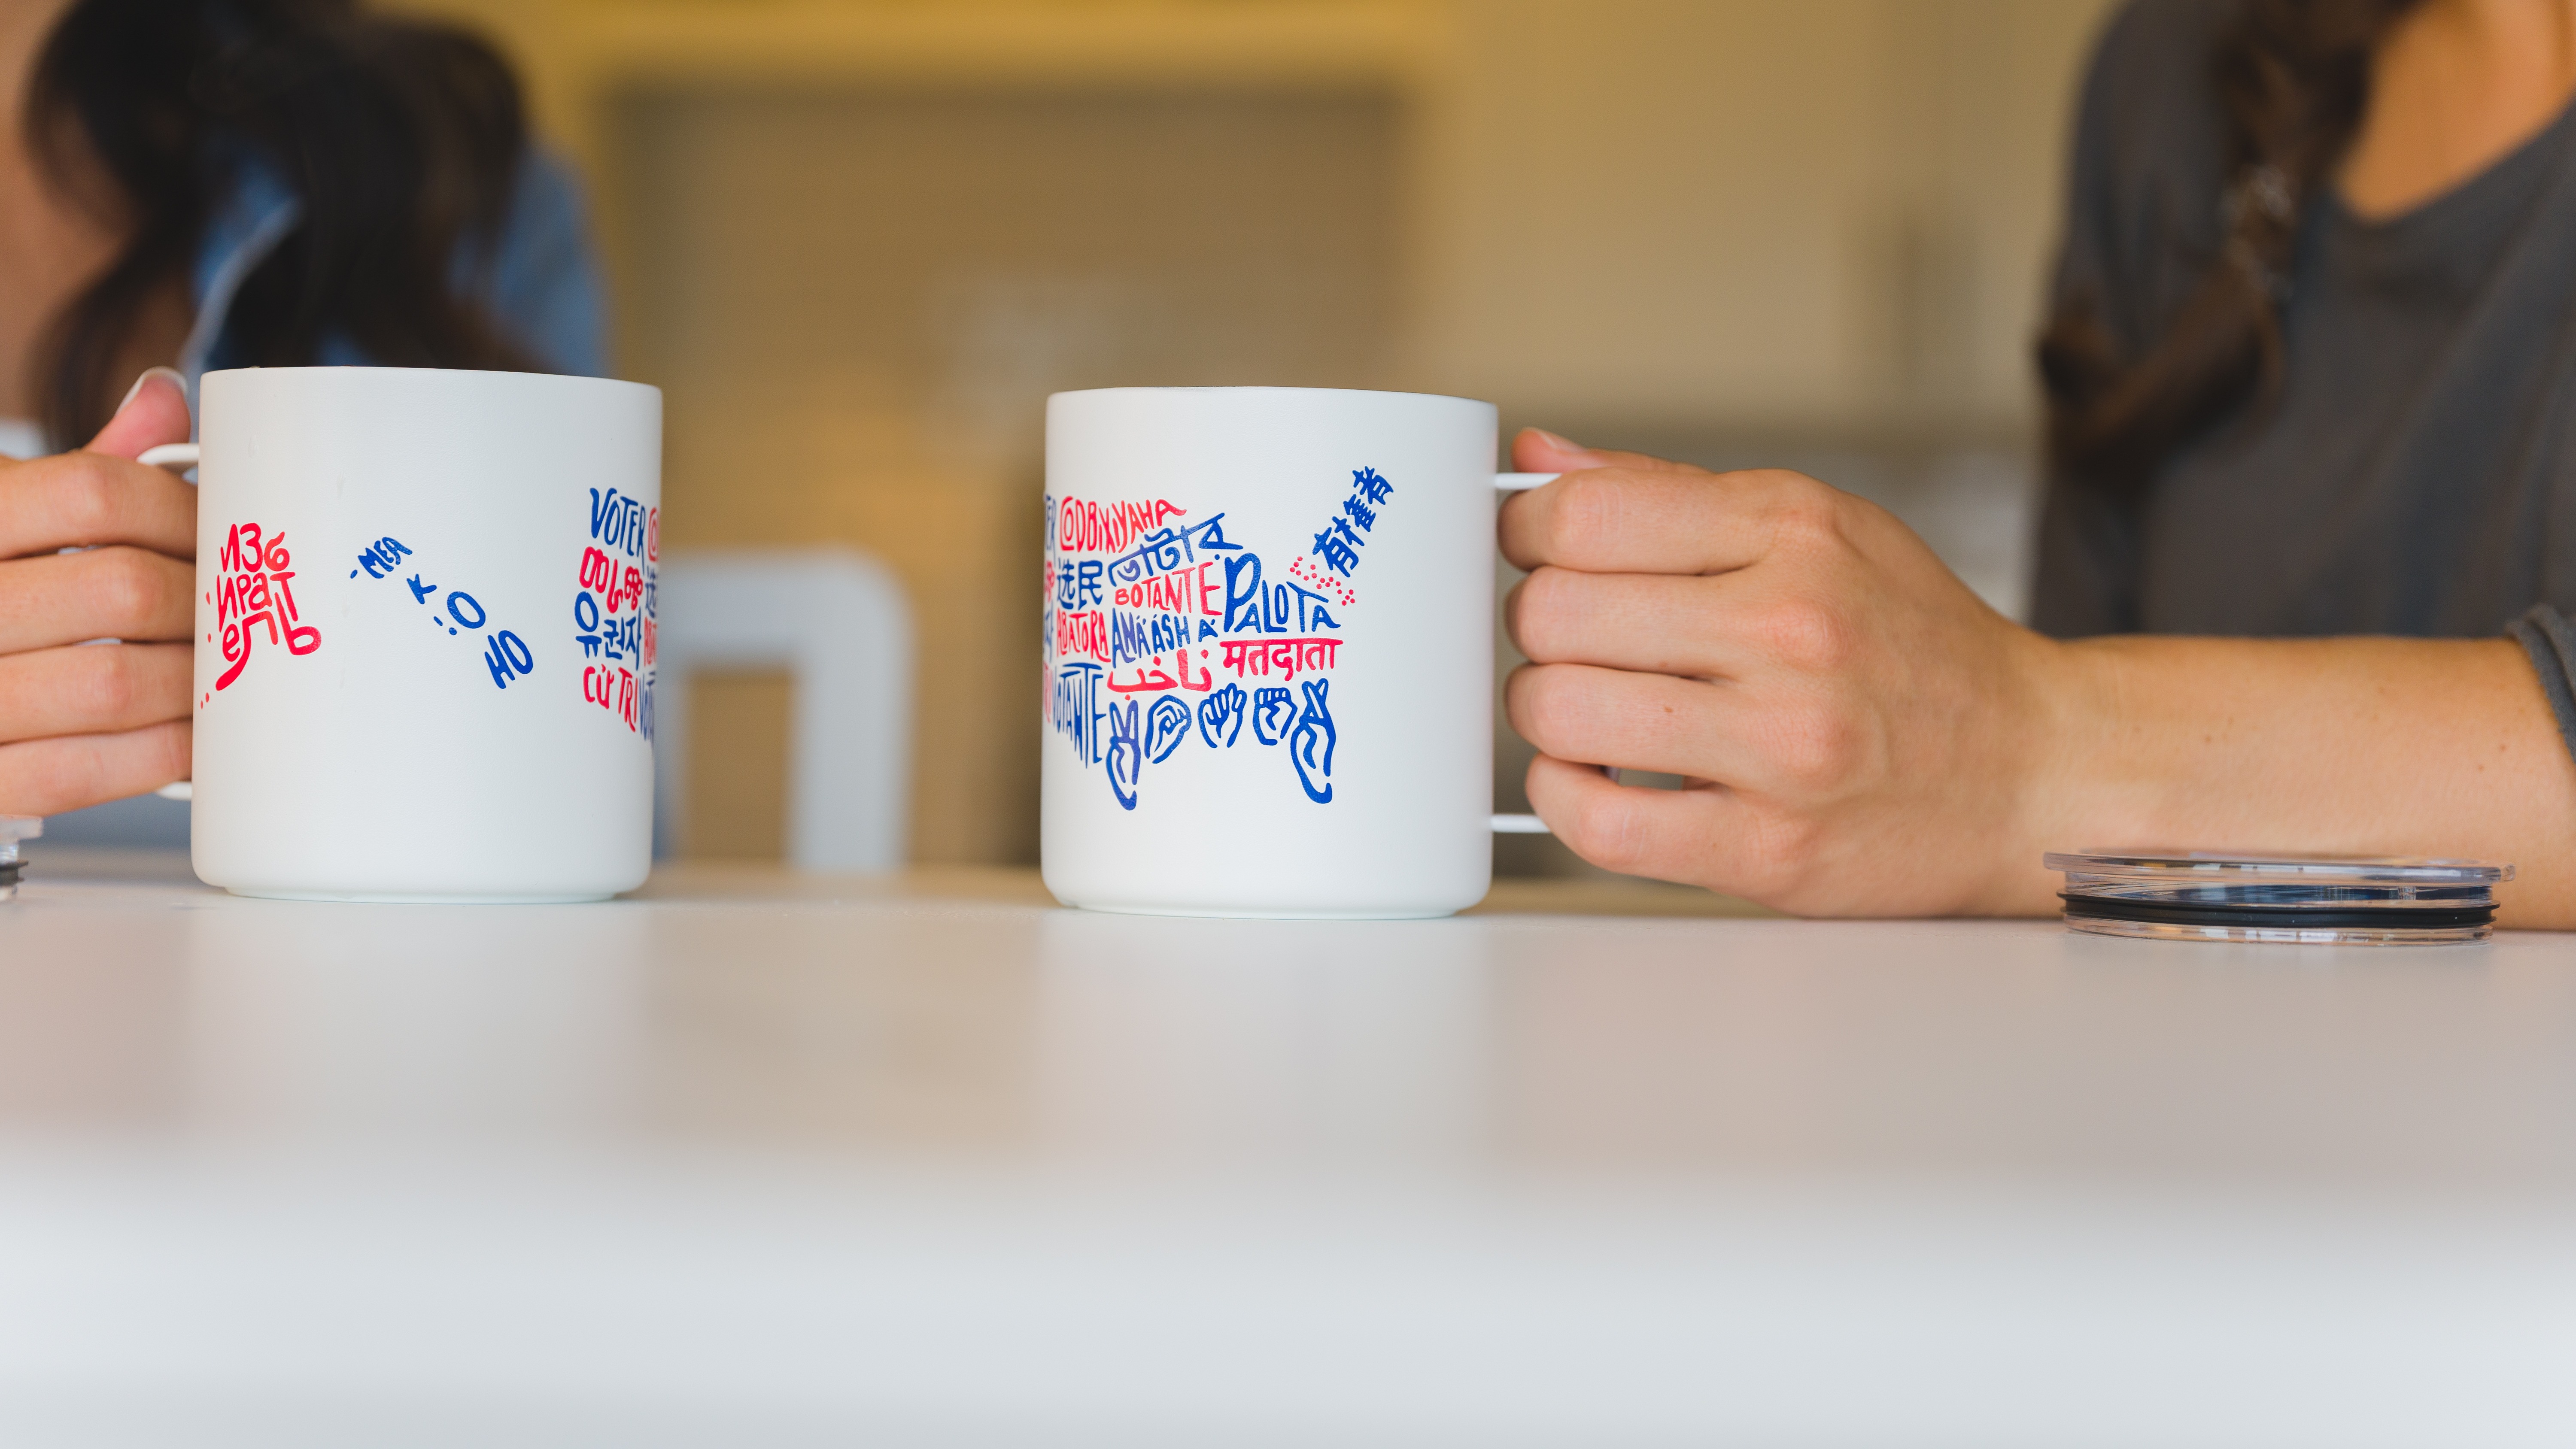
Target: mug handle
pixel 1520 824
pixel 180 457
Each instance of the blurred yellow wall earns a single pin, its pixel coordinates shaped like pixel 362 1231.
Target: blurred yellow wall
pixel 1764 213
pixel 857 242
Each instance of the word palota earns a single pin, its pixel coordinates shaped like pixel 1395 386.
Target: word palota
pixel 1279 609
pixel 253 585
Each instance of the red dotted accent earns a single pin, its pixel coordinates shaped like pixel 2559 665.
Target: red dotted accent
pixel 1331 583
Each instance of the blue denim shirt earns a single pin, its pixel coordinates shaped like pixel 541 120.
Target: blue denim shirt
pixel 539 281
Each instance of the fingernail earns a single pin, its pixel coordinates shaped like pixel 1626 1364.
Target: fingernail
pixel 1560 442
pixel 150 373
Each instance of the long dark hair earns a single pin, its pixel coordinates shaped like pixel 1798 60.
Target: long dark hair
pixel 403 141
pixel 2293 77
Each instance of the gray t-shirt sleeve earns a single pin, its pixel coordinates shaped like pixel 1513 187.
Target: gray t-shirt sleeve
pixel 2550 640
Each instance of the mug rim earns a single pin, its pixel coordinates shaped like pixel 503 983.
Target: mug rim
pixel 1272 388
pixel 547 378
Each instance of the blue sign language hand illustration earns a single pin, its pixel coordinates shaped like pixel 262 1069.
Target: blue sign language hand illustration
pixel 1274 711
pixel 1221 714
pixel 1126 753
pixel 1312 745
pixel 1167 726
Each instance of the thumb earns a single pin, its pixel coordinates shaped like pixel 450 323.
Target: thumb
pixel 155 411
pixel 1536 450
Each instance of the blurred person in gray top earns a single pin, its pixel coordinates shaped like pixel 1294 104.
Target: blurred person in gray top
pixel 195 184
pixel 2308 369
pixel 2334 402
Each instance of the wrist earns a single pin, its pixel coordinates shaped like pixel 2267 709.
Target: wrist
pixel 2113 783
pixel 2066 778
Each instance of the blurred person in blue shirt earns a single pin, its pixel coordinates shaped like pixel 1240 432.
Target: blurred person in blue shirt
pixel 197 184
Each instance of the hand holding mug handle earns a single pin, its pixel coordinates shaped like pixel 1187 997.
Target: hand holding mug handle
pixel 181 457
pixel 1520 824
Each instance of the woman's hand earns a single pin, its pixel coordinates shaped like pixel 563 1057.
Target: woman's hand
pixel 83 723
pixel 1860 733
pixel 1862 736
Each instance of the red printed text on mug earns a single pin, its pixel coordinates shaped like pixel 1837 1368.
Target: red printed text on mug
pixel 254 599
pixel 614 606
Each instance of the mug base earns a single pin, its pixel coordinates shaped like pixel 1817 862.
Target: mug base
pixel 1221 913
pixel 403 898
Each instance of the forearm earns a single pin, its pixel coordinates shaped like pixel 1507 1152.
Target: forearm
pixel 1867 737
pixel 2329 746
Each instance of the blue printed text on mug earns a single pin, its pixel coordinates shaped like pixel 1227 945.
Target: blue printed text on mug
pixel 1132 584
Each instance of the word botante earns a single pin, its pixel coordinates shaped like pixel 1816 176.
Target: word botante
pixel 1158 629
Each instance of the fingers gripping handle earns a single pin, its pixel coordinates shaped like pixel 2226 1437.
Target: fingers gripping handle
pixel 1520 824
pixel 180 456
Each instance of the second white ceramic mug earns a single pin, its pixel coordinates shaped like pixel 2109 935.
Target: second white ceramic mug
pixel 425 633
pixel 1269 652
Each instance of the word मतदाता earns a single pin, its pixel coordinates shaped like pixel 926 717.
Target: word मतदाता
pixel 1131 584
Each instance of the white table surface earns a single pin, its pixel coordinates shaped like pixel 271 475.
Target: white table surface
pixel 755 1159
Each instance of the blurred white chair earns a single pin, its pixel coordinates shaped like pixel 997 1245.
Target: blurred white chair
pixel 837 621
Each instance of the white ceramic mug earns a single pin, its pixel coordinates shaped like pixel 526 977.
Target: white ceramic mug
pixel 1269 652
pixel 425 633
